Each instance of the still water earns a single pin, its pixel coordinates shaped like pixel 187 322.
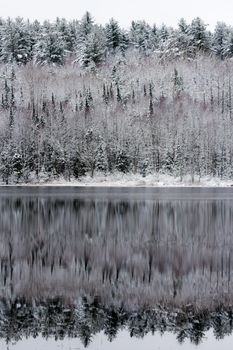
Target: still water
pixel 120 263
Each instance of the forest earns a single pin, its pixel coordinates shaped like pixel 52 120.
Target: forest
pixel 78 98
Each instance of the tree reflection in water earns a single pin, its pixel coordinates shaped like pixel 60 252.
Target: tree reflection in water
pixel 134 254
pixel 55 319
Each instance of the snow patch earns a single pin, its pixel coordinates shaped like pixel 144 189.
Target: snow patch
pixel 132 180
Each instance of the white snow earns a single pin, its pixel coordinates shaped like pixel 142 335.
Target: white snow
pixel 132 180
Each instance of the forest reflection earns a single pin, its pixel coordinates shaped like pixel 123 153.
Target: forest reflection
pixel 131 253
pixel 53 319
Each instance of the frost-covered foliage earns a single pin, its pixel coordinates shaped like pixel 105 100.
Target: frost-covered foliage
pixel 84 40
pixel 137 114
pixel 130 252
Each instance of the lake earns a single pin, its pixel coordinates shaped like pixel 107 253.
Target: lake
pixel 140 267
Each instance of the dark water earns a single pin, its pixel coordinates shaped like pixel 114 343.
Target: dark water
pixel 143 262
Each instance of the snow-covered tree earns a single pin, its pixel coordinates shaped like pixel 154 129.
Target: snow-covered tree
pixel 140 35
pixel 197 31
pixel 68 33
pixel 227 50
pixel 91 52
pixel 220 37
pixel 50 47
pixel 183 26
pixel 16 41
pixel 113 35
pixel 86 26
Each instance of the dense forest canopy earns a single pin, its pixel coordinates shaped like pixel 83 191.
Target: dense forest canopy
pixel 91 44
pixel 77 98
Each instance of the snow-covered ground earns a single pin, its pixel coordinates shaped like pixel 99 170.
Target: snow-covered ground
pixel 132 180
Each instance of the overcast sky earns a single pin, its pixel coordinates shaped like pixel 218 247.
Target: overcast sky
pixel 153 11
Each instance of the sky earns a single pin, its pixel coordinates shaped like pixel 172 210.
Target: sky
pixel 153 11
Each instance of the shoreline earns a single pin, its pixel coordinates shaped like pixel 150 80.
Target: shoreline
pixel 127 180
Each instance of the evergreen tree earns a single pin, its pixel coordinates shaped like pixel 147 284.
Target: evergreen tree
pixel 50 48
pixel 78 165
pixel 183 26
pixel 124 42
pixel 140 35
pixel 163 34
pixel 113 36
pixel 86 26
pixel 67 33
pixel 154 38
pixel 220 37
pixel 122 161
pixel 178 83
pixel 101 157
pixel 199 35
pixel 228 45
pixel 16 41
pixel 92 51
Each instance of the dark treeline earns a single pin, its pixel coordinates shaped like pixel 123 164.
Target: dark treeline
pixel 56 319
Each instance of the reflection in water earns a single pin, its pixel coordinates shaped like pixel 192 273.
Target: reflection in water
pixel 128 252
pixel 131 252
pixel 88 319
pixel 166 341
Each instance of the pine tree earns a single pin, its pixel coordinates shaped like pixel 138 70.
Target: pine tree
pixel 86 26
pixel 122 161
pixel 197 30
pixel 163 33
pixel 154 38
pixel 101 157
pixel 124 42
pixel 220 37
pixel 16 41
pixel 50 48
pixel 113 36
pixel 183 26
pixel 92 51
pixel 140 36
pixel 78 165
pixel 228 45
pixel 17 165
pixel 178 83
pixel 67 33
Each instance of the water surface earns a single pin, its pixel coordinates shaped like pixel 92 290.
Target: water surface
pixel 131 248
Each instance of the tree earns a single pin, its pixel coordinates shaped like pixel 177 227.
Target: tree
pixel 154 37
pixel 122 161
pixel 92 51
pixel 67 33
pixel 140 35
pixel 16 41
pixel 183 26
pixel 227 51
pixel 178 83
pixel 86 26
pixel 50 48
pixel 78 165
pixel 220 37
pixel 113 35
pixel 101 157
pixel 163 33
pixel 197 30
